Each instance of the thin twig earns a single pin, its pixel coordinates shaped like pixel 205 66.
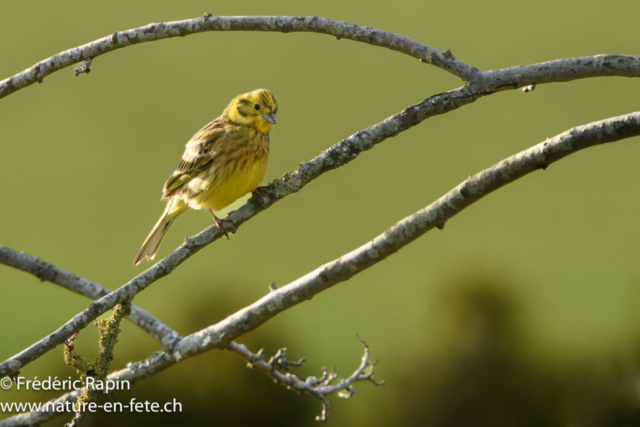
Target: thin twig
pixel 219 336
pixel 317 387
pixel 85 67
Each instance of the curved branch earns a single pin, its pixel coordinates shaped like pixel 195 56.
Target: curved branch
pixel 554 71
pixel 219 336
pixel 284 24
pixel 47 272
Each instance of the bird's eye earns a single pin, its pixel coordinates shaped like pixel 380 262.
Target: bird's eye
pixel 257 107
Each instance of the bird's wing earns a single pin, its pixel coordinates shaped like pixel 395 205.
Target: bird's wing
pixel 197 156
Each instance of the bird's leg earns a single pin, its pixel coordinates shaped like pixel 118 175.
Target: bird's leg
pixel 220 223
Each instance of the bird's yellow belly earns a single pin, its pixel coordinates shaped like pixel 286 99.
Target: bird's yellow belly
pixel 220 191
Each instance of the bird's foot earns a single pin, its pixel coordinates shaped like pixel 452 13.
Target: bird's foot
pixel 220 223
pixel 266 190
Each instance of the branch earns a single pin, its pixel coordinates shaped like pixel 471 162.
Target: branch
pixel 561 70
pixel 336 156
pixel 47 272
pixel 219 336
pixel 284 24
pixel 600 65
pixel 317 387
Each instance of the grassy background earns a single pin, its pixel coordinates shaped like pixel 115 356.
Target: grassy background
pixel 524 310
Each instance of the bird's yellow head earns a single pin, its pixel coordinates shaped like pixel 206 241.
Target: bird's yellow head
pixel 257 109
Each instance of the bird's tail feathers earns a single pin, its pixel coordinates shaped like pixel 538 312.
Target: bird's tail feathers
pixel 150 246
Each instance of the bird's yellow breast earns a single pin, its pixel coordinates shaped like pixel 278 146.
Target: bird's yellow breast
pixel 230 176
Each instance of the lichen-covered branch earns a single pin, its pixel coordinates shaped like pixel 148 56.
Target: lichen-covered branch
pixel 471 190
pixel 321 387
pixel 47 272
pixel 283 24
pixel 109 330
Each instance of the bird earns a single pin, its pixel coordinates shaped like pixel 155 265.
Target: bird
pixel 222 162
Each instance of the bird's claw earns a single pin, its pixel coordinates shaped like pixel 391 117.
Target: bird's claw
pixel 220 223
pixel 266 190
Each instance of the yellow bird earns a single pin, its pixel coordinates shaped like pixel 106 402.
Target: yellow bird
pixel 225 160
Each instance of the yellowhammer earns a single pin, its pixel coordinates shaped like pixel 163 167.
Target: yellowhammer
pixel 225 160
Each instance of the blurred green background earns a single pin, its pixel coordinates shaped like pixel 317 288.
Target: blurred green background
pixel 522 311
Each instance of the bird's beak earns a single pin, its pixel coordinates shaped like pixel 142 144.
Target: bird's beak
pixel 270 118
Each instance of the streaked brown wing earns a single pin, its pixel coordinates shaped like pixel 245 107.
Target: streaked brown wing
pixel 197 156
